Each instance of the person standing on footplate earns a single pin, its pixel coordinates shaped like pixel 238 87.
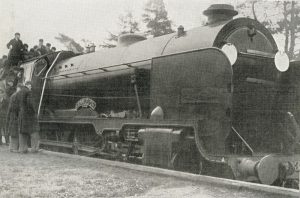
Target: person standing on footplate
pixel 12 120
pixel 27 120
pixel 16 48
pixel 42 48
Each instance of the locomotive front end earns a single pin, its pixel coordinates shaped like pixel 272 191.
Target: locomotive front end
pixel 278 163
pixel 264 114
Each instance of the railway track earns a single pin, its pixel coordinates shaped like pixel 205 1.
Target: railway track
pixel 233 185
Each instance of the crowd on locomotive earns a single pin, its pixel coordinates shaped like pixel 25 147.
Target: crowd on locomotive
pixel 17 55
pixel 11 72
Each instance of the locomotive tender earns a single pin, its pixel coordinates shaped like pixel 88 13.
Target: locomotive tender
pixel 209 100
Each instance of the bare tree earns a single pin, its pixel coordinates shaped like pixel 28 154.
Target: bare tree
pixel 127 23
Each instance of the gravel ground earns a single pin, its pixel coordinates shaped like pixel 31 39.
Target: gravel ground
pixel 41 175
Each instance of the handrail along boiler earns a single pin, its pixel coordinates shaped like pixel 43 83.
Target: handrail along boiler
pixel 212 100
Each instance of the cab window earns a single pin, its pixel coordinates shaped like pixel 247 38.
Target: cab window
pixel 40 66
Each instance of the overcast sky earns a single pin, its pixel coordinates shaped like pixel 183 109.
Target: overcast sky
pixel 84 19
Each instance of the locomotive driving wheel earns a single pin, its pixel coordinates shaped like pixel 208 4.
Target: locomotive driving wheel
pixel 85 141
pixel 101 143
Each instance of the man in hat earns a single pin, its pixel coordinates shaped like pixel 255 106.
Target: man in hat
pixel 26 52
pixel 15 47
pixel 48 47
pixel 4 101
pixel 12 120
pixel 27 119
pixel 2 61
pixel 34 131
pixel 53 49
pixel 36 51
pixel 219 12
pixel 41 47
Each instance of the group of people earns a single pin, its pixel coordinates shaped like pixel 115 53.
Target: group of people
pixel 18 122
pixel 21 123
pixel 19 52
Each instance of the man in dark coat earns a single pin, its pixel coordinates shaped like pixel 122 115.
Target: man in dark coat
pixel 12 121
pixel 26 54
pixel 34 132
pixel 34 52
pixel 53 49
pixel 2 61
pixel 48 47
pixel 4 102
pixel 42 48
pixel 15 47
pixel 27 118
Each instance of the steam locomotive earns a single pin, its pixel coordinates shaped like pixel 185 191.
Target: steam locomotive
pixel 217 100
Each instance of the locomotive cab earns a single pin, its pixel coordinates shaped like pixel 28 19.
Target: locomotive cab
pixel 35 70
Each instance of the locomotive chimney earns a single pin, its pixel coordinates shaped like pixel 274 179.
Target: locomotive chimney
pixel 219 12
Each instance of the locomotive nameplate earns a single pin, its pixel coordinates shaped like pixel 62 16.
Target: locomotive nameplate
pixel 85 103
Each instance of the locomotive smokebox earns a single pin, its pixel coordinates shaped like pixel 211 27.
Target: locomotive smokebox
pixel 219 12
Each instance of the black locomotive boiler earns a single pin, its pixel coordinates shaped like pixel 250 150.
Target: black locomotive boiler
pixel 213 100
